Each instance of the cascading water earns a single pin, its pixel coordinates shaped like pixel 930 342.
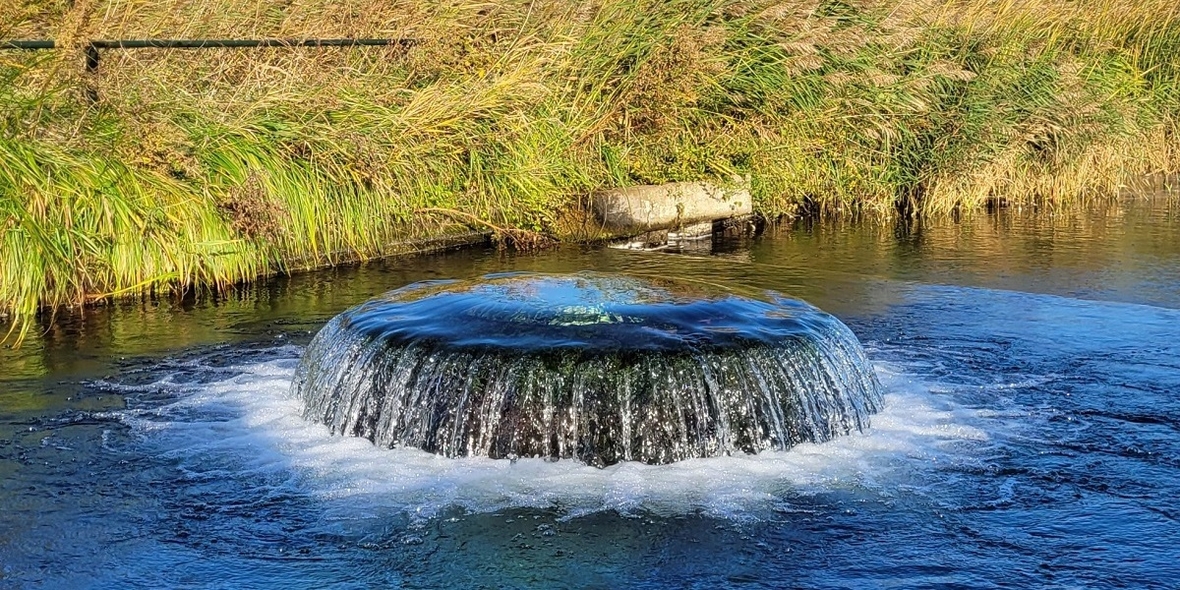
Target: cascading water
pixel 600 368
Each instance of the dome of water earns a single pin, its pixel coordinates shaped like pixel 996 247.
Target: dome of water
pixel 599 368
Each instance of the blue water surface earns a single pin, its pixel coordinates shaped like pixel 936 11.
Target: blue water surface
pixel 1030 439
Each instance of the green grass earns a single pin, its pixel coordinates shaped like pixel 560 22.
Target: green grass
pixel 202 169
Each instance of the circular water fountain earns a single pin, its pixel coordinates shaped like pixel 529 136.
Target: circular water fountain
pixel 599 368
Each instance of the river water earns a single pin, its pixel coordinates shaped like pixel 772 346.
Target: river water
pixel 1030 435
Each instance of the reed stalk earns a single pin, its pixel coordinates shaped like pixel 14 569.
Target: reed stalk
pixel 200 169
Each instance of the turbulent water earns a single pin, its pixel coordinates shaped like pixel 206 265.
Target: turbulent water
pixel 1027 435
pixel 598 368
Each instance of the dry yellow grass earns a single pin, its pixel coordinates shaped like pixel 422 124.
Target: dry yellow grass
pixel 200 168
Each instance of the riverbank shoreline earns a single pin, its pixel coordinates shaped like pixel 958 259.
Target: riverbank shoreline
pixel 174 170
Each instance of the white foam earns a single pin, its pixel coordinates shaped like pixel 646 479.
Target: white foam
pixel 249 422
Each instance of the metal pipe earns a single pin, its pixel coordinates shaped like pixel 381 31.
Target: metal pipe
pixel 33 44
pixel 93 56
pixel 227 43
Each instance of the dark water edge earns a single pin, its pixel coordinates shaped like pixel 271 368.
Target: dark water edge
pixel 1030 437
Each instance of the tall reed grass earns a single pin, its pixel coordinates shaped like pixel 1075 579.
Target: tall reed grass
pixel 198 169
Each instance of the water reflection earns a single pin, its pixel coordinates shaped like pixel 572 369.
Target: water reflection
pixel 1123 251
pixel 1114 250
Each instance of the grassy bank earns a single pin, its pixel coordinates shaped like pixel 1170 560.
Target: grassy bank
pixel 204 168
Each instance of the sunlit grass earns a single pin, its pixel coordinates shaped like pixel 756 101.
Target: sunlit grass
pixel 200 169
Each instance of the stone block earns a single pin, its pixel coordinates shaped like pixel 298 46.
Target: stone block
pixel 669 206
